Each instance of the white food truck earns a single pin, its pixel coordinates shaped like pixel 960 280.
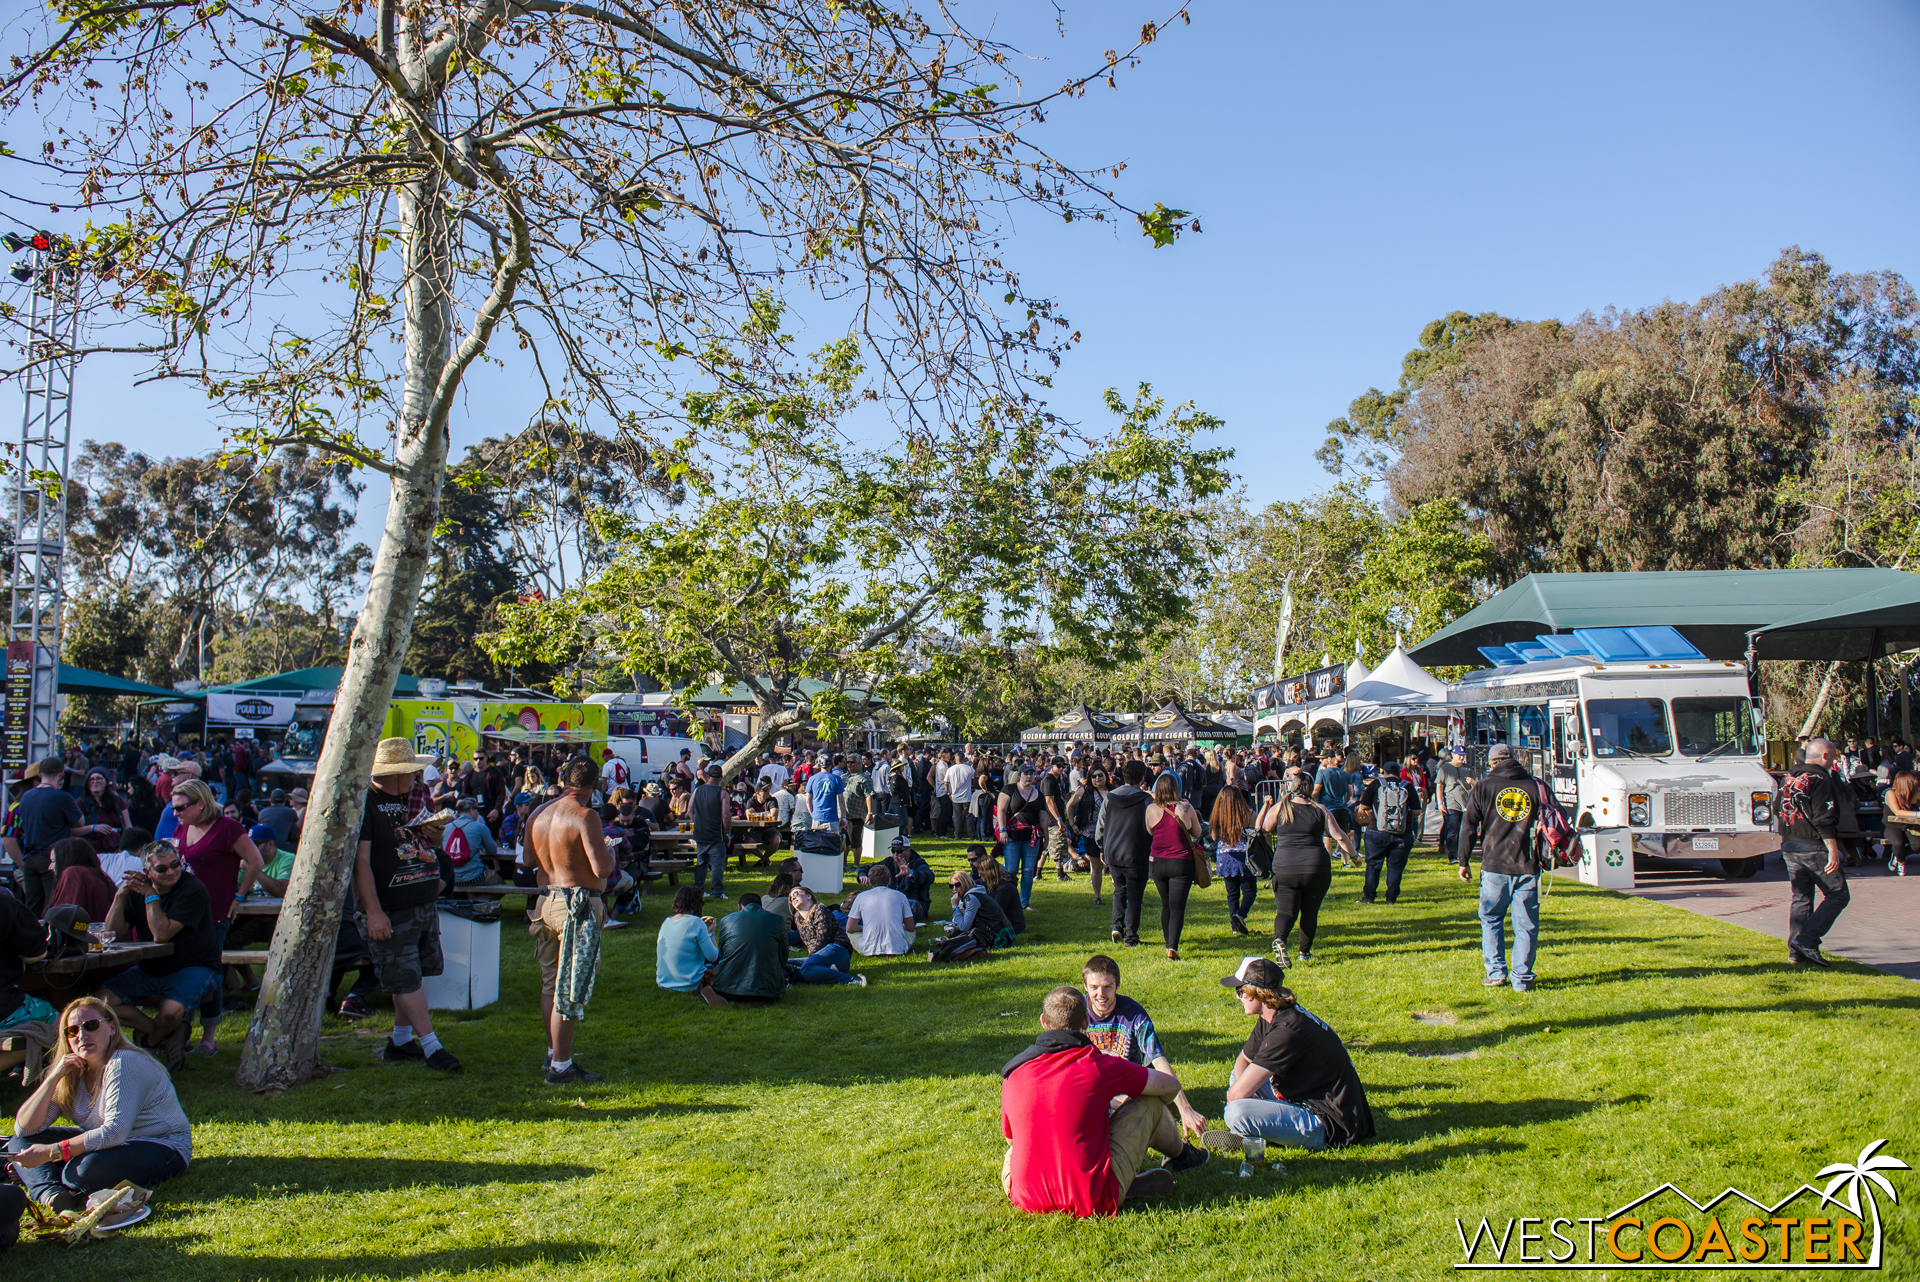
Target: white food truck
pixel 1652 749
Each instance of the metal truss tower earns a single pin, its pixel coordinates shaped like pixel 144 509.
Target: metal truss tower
pixel 40 496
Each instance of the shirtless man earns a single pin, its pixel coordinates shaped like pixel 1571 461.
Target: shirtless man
pixel 575 867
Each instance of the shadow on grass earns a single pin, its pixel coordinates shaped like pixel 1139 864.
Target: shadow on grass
pixel 271 1175
pixel 1561 1023
pixel 162 1256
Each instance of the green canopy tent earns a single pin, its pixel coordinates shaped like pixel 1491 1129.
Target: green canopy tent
pixel 74 680
pixel 405 687
pixel 1788 614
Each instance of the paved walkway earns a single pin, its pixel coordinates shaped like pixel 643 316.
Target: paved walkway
pixel 1880 927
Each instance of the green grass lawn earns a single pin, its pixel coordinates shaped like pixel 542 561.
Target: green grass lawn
pixel 850 1133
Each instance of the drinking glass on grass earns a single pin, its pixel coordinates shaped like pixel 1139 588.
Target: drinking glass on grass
pixel 1253 1153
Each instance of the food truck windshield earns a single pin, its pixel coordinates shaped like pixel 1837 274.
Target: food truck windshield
pixel 1715 725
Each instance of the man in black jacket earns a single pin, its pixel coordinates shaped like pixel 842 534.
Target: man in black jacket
pixel 1809 812
pixel 1122 836
pixel 1503 812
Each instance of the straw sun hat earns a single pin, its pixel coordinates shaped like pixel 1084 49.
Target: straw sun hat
pixel 396 757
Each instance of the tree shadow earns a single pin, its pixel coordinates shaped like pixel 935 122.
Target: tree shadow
pixel 1612 1019
pixel 273 1175
pixel 158 1257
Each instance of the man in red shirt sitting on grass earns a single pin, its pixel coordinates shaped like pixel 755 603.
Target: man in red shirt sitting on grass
pixel 1066 1152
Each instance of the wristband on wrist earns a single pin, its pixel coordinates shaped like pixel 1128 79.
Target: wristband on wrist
pixel 66 1150
pixel 153 899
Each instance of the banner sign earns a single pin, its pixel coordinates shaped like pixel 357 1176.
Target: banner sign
pixel 250 709
pixel 19 705
pixel 1308 687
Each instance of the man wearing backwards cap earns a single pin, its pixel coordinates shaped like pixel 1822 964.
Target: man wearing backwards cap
pixel 1293 1082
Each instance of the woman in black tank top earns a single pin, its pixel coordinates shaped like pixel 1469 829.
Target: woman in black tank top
pixel 1303 834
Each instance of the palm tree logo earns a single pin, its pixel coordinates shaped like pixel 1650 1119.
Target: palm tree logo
pixel 1861 1176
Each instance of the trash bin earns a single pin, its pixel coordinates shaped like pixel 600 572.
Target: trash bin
pixel 822 866
pixel 876 843
pixel 472 975
pixel 1606 858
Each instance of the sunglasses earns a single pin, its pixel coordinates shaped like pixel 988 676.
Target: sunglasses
pixel 163 867
pixel 84 1026
pixel 179 802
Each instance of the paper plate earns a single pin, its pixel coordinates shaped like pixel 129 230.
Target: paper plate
pixel 114 1223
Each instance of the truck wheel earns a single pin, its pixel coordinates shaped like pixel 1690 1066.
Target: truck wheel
pixel 1741 869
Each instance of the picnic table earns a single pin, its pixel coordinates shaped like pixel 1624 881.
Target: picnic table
pixel 74 976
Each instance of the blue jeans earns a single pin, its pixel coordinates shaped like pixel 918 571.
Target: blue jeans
pixel 1498 891
pixel 828 966
pixel 1391 850
pixel 1023 857
pixel 1266 1114
pixel 144 1162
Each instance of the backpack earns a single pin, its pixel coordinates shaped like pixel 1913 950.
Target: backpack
pixel 458 848
pixel 1396 808
pixel 1558 848
pixel 1259 856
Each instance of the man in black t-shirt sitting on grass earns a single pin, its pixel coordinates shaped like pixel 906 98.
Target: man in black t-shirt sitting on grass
pixel 164 903
pixel 1293 1082
pixel 398 882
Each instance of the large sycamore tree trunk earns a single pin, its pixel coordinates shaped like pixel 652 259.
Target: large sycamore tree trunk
pixel 282 1048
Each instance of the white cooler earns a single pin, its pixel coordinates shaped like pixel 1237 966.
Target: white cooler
pixel 1606 858
pixel 472 975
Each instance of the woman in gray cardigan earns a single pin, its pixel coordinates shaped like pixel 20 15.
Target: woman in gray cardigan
pixel 130 1123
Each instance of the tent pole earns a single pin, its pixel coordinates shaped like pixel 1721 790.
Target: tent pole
pixel 1873 689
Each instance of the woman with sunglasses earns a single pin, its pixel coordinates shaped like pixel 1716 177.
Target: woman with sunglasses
pixel 215 848
pixel 130 1124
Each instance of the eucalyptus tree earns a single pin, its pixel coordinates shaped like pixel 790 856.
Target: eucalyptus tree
pixel 328 218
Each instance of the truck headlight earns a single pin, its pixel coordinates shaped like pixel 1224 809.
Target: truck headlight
pixel 1639 810
pixel 1763 807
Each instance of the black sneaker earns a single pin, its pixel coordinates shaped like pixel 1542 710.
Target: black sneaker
pixel 1235 925
pixel 1188 1158
pixel 1813 956
pixel 443 1060
pixel 354 1006
pixel 572 1074
pixel 1116 936
pixel 393 1050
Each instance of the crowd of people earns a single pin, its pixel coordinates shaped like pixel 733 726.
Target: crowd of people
pixel 1082 1107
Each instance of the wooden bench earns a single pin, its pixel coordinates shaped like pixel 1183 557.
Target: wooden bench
pixel 243 957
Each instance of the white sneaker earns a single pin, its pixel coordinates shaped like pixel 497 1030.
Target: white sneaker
pixel 861 980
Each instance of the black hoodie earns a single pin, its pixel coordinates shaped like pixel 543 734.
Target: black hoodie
pixel 1050 1041
pixel 1502 810
pixel 1122 834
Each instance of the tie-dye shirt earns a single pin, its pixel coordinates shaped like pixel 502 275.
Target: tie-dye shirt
pixel 1126 1033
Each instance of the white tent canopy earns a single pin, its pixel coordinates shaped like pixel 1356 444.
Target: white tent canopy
pixel 1399 687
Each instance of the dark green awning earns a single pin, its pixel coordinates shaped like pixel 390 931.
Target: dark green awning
pixel 86 681
pixel 1793 614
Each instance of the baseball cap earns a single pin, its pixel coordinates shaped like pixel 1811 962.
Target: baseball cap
pixel 522 798
pixel 1257 972
pixel 1499 752
pixel 899 843
pixel 263 832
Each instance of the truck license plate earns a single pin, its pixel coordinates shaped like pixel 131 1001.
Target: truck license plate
pixel 1706 843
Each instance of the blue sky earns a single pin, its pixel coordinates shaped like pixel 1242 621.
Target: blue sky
pixel 1360 170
